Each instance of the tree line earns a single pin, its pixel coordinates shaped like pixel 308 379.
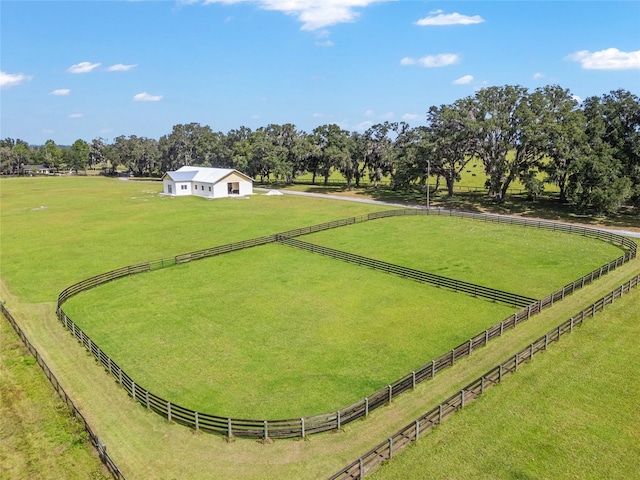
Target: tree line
pixel 589 150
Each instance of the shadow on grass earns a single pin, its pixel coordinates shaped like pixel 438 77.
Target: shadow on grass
pixel 547 207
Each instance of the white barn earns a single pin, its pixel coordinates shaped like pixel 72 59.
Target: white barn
pixel 207 182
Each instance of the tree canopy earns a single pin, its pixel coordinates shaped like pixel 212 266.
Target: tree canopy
pixel 591 151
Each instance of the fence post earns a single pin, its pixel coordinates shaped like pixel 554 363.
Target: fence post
pixel 390 393
pixel 169 411
pixel 337 420
pixel 461 398
pixel 439 414
pixel 515 360
pixel 500 373
pixel 361 469
pixel 453 352
pixel 229 429
pixel 133 389
pixel 413 379
pixel 482 385
pixel 302 426
pixel 486 337
pixel 531 353
pixel 196 420
pixel 470 346
pixel 366 406
pixel 417 429
pixel 433 368
pixel 571 325
pixel 146 398
pixel 266 431
pixel 390 447
pixel 502 324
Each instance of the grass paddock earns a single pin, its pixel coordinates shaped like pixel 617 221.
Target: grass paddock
pixel 89 226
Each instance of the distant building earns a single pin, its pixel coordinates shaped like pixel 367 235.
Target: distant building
pixel 207 182
pixel 36 169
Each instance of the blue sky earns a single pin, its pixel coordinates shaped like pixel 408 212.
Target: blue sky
pixel 87 69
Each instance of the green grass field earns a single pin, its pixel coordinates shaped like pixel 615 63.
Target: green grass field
pixel 274 332
pixel 58 231
pixel 38 437
pixel 89 226
pixel 526 261
pixel 586 427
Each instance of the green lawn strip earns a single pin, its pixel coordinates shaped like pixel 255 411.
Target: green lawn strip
pixel 39 438
pixel 58 231
pixel 526 261
pixel 572 413
pixel 146 446
pixel 274 332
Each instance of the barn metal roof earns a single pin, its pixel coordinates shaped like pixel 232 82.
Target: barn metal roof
pixel 202 174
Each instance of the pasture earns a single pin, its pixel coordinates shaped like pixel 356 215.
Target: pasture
pixel 274 332
pixel 526 261
pixel 587 426
pixel 93 225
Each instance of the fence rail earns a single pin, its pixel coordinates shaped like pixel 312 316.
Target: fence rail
pixel 93 437
pixel 511 299
pixel 301 427
pixel 435 416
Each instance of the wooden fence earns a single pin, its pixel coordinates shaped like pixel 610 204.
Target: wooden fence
pixel 435 416
pixel 93 437
pixel 507 298
pixel 301 427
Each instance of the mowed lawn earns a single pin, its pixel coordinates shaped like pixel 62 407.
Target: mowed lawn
pixel 274 332
pixel 57 231
pixel 572 413
pixel 39 439
pixel 526 261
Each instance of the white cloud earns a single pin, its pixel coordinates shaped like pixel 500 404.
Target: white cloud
pixel 12 79
pixel 314 14
pixel 537 76
pixel 362 126
pixel 324 43
pixel 440 60
pixel 609 59
pixel 60 92
pixel 145 97
pixel 379 116
pixel 577 98
pixel 463 80
pixel 83 67
pixel 411 116
pixel 76 115
pixel 121 67
pixel 455 18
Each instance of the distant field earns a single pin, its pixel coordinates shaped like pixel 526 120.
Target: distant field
pixel 274 332
pixel 472 176
pixel 60 230
pixel 527 261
